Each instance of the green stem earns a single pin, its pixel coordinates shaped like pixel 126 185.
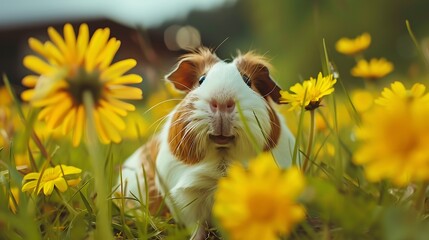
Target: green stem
pixel 298 134
pixel 421 196
pixel 103 223
pixel 338 143
pixel 326 63
pixel 297 139
pixel 310 141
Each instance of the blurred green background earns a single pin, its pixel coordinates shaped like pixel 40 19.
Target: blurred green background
pixel 293 31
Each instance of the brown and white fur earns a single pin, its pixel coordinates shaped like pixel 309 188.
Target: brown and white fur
pixel 204 134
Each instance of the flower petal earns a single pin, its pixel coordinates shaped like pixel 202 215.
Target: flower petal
pixel 74 182
pixel 61 110
pixel 111 131
pixel 80 124
pixel 126 79
pixel 49 100
pixel 29 186
pixel 54 53
pixel 125 92
pixel 31 176
pixel 117 69
pixel 46 112
pixel 61 184
pixel 38 47
pixel 120 107
pixel 58 40
pixel 30 80
pixel 69 121
pixel 68 170
pixel 418 89
pixel 106 56
pixel 48 187
pixel 82 42
pixel 102 133
pixel 97 42
pixel 70 39
pixel 112 118
pixel 37 65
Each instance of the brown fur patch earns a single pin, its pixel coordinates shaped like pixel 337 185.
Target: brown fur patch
pixel 191 67
pixel 182 141
pixel 148 158
pixel 274 136
pixel 256 67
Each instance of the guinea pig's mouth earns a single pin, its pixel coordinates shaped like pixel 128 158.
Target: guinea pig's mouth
pixel 221 139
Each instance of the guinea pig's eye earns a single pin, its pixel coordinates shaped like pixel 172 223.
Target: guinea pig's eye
pixel 246 80
pixel 202 78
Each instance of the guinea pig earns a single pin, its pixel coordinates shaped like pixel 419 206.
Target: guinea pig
pixel 204 134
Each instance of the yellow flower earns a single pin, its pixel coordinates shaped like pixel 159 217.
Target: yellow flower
pixel 362 100
pixel 395 142
pixel 58 177
pixel 398 92
pixel 309 93
pixel 353 46
pixel 260 202
pixel 68 67
pixel 374 69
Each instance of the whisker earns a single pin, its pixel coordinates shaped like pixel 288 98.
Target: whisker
pixel 161 119
pixel 188 130
pixel 179 133
pixel 162 102
pixel 158 122
pixel 218 46
pixel 181 84
pixel 269 93
pixel 198 144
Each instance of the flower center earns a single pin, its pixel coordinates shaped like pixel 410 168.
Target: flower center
pixel 83 81
pixel 312 105
pixel 262 207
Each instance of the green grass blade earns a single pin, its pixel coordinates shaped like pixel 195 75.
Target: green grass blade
pixel 299 133
pixel 247 128
pixel 86 203
pixel 325 63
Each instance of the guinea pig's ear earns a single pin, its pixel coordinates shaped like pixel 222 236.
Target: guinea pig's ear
pixel 190 68
pixel 256 68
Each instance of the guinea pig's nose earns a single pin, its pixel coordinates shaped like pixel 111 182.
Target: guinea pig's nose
pixel 222 106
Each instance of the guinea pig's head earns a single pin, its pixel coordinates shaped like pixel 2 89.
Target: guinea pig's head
pixel 208 119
